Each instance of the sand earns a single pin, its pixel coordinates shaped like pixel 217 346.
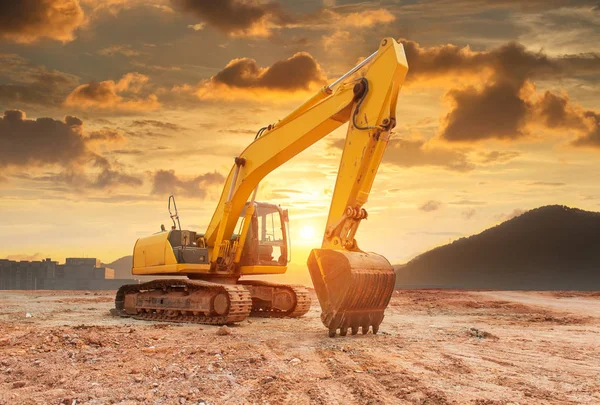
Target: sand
pixel 434 347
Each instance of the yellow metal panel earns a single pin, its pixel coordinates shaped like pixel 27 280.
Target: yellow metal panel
pixel 154 250
pixel 181 268
pixel 254 270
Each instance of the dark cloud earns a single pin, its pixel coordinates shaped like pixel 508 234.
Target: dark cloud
pixel 236 17
pixel 296 73
pixel 498 156
pixel 167 182
pixel 107 178
pixel 467 202
pixel 496 111
pixel 29 84
pixel 157 124
pixel 123 95
pixel 410 153
pixel 27 21
pixel 592 137
pixel 238 131
pixel 468 213
pixel 511 62
pixel 557 112
pixel 430 206
pixel 547 183
pixel 504 102
pixel 128 151
pixel 41 142
pixel 106 135
pixel 26 144
pixel 417 152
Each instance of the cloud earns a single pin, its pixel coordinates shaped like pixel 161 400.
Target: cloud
pixel 157 124
pixel 125 50
pixel 415 152
pixel 557 111
pixel 592 137
pixel 32 144
pixel 244 77
pixel 258 19
pixel 106 136
pixel 236 18
pixel 25 83
pixel 326 19
pixel 107 178
pixel 27 21
pixel 467 202
pixel 499 100
pixel 468 213
pixel 122 95
pixel 495 111
pixel 513 214
pixel 498 156
pixel 197 27
pixel 547 183
pixel 167 182
pixel 560 113
pixel 41 142
pixel 430 206
pixel 418 152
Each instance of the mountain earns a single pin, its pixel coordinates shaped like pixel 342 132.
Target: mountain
pixel 122 267
pixel 548 248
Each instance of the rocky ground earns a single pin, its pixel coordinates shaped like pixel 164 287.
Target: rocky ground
pixel 434 347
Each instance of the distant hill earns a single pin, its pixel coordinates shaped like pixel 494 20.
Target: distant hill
pixel 122 266
pixel 548 248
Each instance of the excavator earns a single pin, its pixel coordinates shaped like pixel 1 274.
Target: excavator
pixel 248 238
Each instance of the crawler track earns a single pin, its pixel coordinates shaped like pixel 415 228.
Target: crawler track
pixel 239 302
pixel 264 309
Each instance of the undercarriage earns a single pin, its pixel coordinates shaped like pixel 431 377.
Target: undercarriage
pixel 204 302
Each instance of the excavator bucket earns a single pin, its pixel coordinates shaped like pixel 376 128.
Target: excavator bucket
pixel 353 288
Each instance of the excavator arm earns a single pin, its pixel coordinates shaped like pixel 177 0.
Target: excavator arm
pixel 353 287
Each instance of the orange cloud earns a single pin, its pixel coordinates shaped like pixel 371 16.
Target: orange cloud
pixel 258 19
pixel 500 100
pixel 27 145
pixel 122 95
pixel 29 21
pixel 243 78
pixel 236 18
pixel 167 182
pixel 359 19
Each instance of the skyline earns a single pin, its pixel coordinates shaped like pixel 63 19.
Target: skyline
pixel 104 115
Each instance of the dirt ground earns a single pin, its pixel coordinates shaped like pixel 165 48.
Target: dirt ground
pixel 434 347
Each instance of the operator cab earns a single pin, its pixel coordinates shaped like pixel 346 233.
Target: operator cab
pixel 266 243
pixel 267 240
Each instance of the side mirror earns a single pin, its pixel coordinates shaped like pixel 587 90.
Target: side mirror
pixel 286 216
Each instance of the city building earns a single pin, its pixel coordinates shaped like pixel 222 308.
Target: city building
pixel 75 274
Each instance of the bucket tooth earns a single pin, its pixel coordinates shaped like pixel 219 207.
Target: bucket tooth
pixel 353 288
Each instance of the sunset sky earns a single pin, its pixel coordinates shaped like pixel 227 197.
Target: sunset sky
pixel 108 106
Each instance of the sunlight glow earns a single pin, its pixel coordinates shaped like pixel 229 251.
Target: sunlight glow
pixel 307 232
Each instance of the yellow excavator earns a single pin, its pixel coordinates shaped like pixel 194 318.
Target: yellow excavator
pixel 246 237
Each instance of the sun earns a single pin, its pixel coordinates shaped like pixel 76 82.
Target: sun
pixel 307 232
